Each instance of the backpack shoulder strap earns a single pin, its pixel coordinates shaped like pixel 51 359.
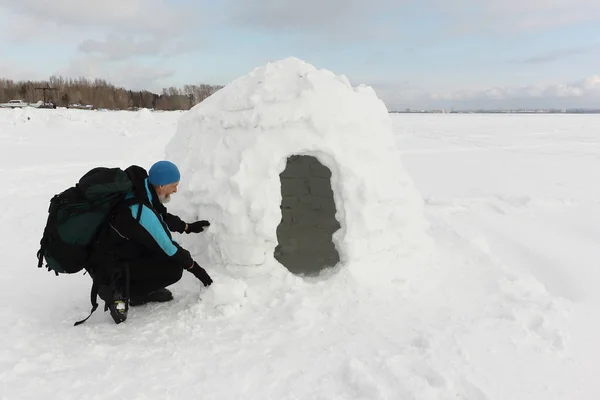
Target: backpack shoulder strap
pixel 138 176
pixel 94 300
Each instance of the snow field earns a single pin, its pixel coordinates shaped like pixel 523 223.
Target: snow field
pixel 506 309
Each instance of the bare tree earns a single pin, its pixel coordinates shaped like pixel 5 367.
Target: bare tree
pixel 101 94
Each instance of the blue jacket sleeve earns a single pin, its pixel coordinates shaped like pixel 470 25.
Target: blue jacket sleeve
pixel 155 228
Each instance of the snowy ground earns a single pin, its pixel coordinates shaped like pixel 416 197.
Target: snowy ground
pixel 508 310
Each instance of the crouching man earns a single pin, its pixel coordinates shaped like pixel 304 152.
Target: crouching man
pixel 135 257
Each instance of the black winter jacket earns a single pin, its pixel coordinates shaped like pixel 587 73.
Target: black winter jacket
pixel 125 238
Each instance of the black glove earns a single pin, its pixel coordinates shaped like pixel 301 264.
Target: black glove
pixel 197 227
pixel 201 274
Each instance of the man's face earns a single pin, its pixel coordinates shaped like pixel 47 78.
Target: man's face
pixel 164 192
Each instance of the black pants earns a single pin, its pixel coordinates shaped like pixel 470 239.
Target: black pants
pixel 152 273
pixel 134 270
pixel 129 265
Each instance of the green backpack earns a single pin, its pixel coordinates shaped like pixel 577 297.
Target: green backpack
pixel 76 215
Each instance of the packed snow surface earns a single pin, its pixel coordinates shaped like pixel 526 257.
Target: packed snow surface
pixel 507 308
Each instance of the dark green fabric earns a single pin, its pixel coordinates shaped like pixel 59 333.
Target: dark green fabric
pixel 102 182
pixel 77 214
pixel 54 265
pixel 80 229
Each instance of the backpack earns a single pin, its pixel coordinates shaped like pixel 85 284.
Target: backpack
pixel 77 215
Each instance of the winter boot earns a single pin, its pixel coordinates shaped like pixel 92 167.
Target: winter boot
pixel 118 307
pixel 158 296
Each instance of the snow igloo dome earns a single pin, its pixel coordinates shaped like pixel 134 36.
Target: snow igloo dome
pixel 293 164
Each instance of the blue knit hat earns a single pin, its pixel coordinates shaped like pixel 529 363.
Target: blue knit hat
pixel 163 173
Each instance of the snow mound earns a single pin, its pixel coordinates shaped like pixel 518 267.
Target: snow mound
pixel 224 299
pixel 22 115
pixel 232 147
pixel 143 113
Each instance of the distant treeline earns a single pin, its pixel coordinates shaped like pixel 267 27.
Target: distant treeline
pixel 101 94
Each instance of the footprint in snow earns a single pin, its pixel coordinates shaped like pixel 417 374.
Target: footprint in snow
pixel 468 391
pixel 362 382
pixel 426 372
pixel 538 325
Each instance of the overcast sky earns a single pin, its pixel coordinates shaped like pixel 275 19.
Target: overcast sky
pixel 418 54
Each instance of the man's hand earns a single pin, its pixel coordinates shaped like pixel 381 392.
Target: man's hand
pixel 197 227
pixel 201 274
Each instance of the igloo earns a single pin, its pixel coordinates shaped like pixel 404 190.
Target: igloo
pixel 293 165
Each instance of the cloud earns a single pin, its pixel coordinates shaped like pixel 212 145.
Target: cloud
pixel 353 19
pixel 395 93
pixel 343 18
pixel 130 75
pixel 150 16
pixel 12 71
pixel 582 93
pixel 516 16
pixel 118 47
pixel 584 87
pixel 131 28
pixel 122 47
pixel 557 55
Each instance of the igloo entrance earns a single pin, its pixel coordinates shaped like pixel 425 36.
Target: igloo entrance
pixel 308 220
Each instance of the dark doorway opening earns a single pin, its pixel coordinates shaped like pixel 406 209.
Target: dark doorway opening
pixel 304 235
